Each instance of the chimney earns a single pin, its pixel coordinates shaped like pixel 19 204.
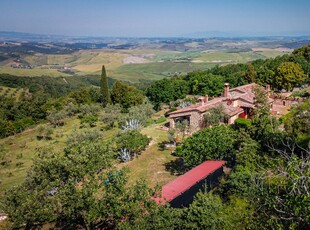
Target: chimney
pixel 226 89
pixel 206 99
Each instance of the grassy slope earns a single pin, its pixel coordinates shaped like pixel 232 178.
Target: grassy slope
pixel 155 71
pixel 31 72
pixel 11 92
pixel 22 149
pixel 150 165
pixel 25 144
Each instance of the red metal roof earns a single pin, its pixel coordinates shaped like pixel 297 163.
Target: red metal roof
pixel 186 181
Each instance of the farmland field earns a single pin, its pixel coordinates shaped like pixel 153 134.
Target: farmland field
pixel 137 59
pixel 11 92
pixel 155 71
pixel 31 72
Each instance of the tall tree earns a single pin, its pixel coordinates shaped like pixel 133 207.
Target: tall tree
pixel 104 87
pixel 289 75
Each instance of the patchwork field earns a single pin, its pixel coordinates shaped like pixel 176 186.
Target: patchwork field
pixel 155 71
pixel 131 64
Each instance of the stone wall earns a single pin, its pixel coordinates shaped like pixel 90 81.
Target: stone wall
pixel 195 119
pixel 286 101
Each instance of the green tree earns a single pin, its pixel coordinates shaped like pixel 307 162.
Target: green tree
pixel 105 95
pixel 215 116
pixel 126 95
pixel 289 75
pixel 206 212
pixel 113 116
pixel 283 192
pixel 216 143
pixel 56 117
pixel 183 128
pixel 250 74
pixel 142 113
pixel 297 124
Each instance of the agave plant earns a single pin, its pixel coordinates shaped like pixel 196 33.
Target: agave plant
pixel 124 155
pixel 185 104
pixel 132 124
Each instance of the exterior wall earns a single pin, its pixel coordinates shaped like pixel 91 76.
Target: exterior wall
pixel 195 120
pixel 288 102
pixel 172 123
pixel 187 197
pixel 232 119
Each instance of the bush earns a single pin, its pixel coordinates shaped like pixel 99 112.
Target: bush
pixel 132 141
pixel 55 117
pixel 77 137
pixel 142 112
pixel 92 109
pixel 21 124
pixel 89 120
pixel 113 115
pixel 44 132
pixel 242 123
pixel 161 120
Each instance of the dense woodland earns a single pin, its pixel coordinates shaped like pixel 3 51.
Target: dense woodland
pixel 267 187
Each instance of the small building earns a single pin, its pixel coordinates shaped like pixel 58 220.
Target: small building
pixel 237 102
pixel 181 191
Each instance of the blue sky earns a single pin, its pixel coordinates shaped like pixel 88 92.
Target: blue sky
pixel 156 18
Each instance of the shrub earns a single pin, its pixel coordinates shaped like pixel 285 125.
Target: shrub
pixel 242 123
pixel 161 120
pixel 71 109
pixel 44 132
pixel 92 109
pixel 142 112
pixel 21 124
pixel 77 137
pixel 112 115
pixel 89 120
pixel 133 141
pixel 55 117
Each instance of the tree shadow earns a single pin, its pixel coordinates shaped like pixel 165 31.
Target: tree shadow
pixel 164 145
pixel 176 167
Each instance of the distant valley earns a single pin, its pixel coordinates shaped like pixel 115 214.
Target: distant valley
pixel 132 59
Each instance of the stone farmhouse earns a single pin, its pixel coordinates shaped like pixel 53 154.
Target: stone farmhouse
pixel 237 102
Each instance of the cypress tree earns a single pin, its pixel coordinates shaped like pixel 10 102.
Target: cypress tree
pixel 105 96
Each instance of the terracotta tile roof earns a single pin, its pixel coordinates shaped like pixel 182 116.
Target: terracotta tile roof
pixel 244 94
pixel 182 183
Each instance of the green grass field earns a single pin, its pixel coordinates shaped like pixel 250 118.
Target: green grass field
pixel 31 72
pixel 155 71
pixel 221 57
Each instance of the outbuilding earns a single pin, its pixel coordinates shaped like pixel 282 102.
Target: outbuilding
pixel 181 191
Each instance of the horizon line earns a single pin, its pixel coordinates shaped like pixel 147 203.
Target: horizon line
pixel 189 35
